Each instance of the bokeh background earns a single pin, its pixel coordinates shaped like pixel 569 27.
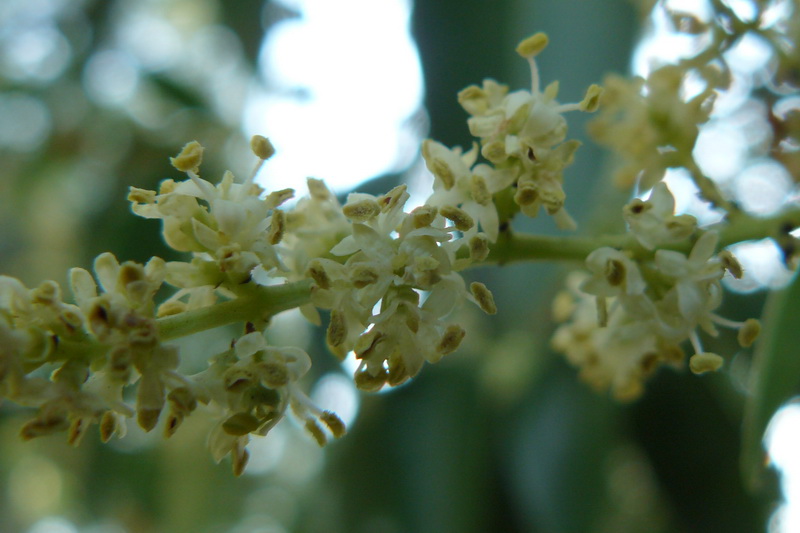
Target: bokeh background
pixel 96 95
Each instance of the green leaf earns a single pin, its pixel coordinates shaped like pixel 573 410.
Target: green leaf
pixel 775 377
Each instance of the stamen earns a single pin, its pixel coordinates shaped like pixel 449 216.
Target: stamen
pixel 696 344
pixel 534 75
pixel 726 322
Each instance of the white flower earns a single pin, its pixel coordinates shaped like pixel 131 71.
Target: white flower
pixel 696 290
pixel 613 274
pixel 653 222
pixel 236 227
pixel 461 183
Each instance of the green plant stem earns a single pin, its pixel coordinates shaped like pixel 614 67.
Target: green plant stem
pixel 261 304
pixel 264 302
pixel 513 247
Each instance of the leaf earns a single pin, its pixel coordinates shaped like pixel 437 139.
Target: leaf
pixel 775 377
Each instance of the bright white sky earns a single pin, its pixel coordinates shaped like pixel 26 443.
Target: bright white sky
pixel 342 82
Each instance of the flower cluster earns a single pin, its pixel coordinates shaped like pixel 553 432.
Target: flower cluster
pixel 388 278
pixel 522 137
pixel 632 312
pixel 230 228
pixel 393 258
pixel 93 349
pixel 650 124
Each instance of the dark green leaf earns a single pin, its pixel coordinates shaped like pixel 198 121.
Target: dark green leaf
pixel 775 378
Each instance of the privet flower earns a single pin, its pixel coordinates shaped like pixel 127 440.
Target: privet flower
pixel 622 325
pixel 649 124
pixel 388 260
pixel 460 183
pixel 229 224
pixel 653 221
pixel 521 133
pixel 252 387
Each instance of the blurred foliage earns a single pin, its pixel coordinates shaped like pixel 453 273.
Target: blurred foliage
pixel 501 437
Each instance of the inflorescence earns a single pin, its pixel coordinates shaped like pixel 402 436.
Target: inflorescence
pixel 387 276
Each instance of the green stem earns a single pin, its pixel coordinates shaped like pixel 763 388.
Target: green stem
pixel 263 303
pixel 511 247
